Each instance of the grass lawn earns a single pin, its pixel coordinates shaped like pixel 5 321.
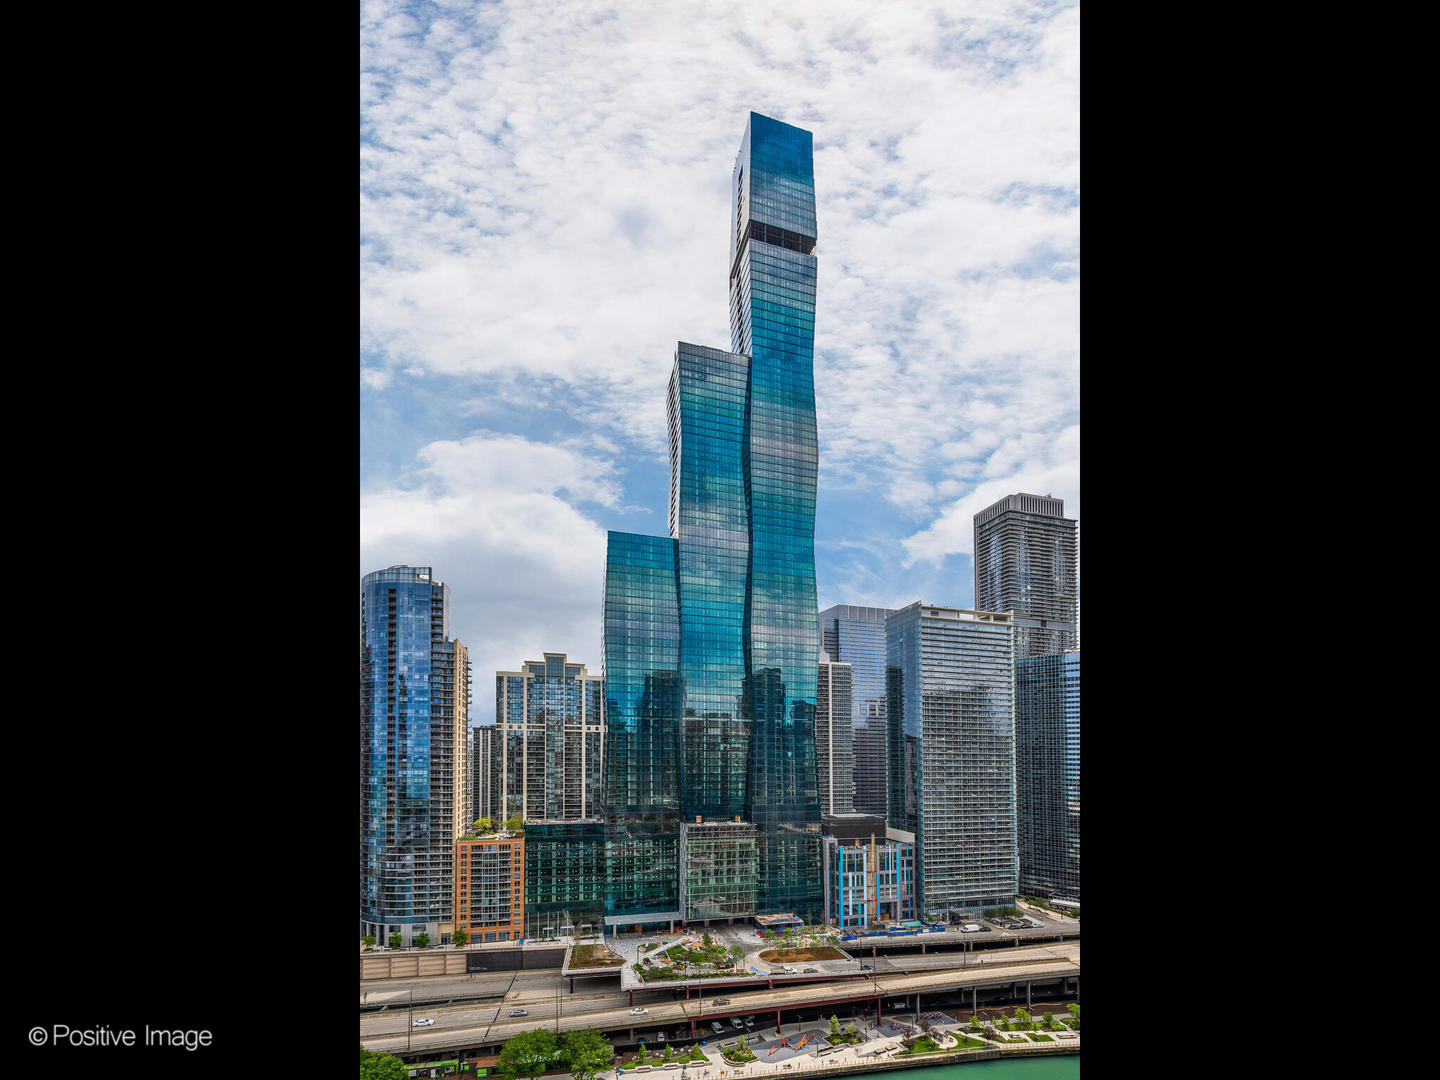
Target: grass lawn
pixel 1041 1038
pixel 923 1045
pixel 594 956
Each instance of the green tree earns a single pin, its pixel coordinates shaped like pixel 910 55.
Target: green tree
pixel 527 1054
pixel 382 1067
pixel 789 940
pixel 394 941
pixel 368 940
pixel 851 1030
pixel 589 1052
pixel 741 1045
pixel 1023 1017
pixel 736 952
pixel 422 940
pixel 1074 1009
pixel 459 937
pixel 1050 1021
pixel 975 1022
pixel 515 824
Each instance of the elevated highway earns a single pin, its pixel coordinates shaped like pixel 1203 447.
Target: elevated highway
pixel 484 1028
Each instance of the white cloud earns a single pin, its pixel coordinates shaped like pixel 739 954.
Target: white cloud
pixel 1029 463
pixel 494 516
pixel 545 206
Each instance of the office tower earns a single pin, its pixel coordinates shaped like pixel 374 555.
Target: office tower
pixel 1047 769
pixel 414 693
pixel 951 727
pixel 490 887
pixel 711 638
pixel 486 758
pixel 834 756
pixel 856 636
pixel 1025 551
pixel 552 740
pixel 869 871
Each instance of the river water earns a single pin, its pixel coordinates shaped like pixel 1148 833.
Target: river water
pixel 1060 1067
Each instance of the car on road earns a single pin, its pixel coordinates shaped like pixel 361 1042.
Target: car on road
pixel 812 971
pixel 788 970
pixel 423 1022
pixel 639 1010
pixel 736 1023
pixel 659 1036
pixel 866 967
pixel 717 1027
pixel 749 1021
pixel 519 1012
pixel 722 1001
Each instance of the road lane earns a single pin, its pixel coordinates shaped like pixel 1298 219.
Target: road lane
pixel 456 1025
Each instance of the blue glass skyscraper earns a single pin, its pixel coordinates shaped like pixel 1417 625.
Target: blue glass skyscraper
pixel 414 696
pixel 712 658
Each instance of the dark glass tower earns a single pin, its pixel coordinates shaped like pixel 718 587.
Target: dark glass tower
pixel 740 686
pixel 1047 774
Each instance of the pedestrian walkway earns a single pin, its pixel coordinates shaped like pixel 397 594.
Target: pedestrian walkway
pixel 881 1043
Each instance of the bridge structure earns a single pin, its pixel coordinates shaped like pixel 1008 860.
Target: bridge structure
pixel 1057 974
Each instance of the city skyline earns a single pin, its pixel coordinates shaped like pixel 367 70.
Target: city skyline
pixel 529 261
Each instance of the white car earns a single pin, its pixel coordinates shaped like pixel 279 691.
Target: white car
pixel 639 1010
pixel 424 1023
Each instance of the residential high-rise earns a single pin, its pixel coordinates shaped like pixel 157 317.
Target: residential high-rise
pixel 713 630
pixel 856 636
pixel 414 693
pixel 951 727
pixel 490 887
pixel 1047 768
pixel 552 740
pixel 834 754
pixel 485 777
pixel 1025 563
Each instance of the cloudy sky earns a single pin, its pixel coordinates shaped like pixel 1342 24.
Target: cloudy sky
pixel 544 214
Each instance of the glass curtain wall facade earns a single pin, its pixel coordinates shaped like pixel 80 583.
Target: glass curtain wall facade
pixel 772 320
pixel 642 717
pixel 1025 563
pixel 552 739
pixel 717 870
pixel 730 670
pixel 565 878
pixel 1047 765
pixel 414 683
pixel 856 636
pixel 951 727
